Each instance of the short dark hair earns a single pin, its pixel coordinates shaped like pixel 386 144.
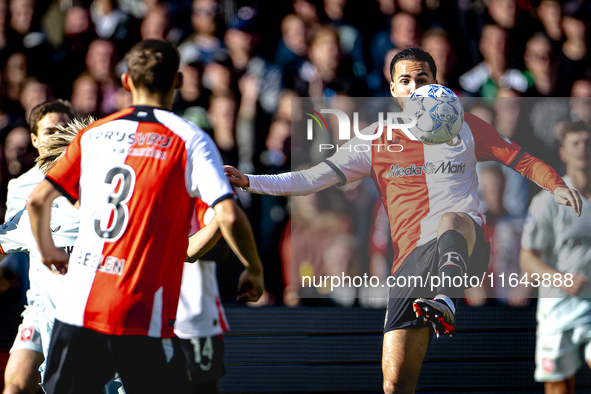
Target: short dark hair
pixel 54 106
pixel 416 54
pixel 573 127
pixel 153 64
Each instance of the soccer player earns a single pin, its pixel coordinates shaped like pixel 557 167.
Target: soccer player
pixel 433 212
pixel 201 320
pixel 26 355
pixel 557 246
pixel 16 236
pixel 135 174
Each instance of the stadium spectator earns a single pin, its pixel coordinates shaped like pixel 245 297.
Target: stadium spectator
pixel 575 57
pixel 70 56
pixel 192 94
pixel 327 72
pixel 350 39
pixel 436 42
pixel 404 31
pixel 541 66
pixel 86 95
pixel 580 102
pixel 15 74
pixel 100 61
pixel 242 39
pixel 17 152
pixel 208 29
pixel 34 93
pixel 246 134
pixel 222 117
pixel 554 245
pixel 308 13
pixel 218 76
pixel 493 72
pixel 111 23
pixel 548 12
pixel 155 24
pixel 292 46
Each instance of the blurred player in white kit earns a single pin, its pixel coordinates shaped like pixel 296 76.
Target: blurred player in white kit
pixel 557 246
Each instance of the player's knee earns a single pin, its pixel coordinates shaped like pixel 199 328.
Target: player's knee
pixel 450 221
pixel 391 387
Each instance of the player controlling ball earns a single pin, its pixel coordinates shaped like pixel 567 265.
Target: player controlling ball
pixel 435 225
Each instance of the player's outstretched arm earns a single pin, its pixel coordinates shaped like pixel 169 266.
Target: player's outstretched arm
pixel 297 183
pixel 531 263
pixel 39 207
pixel 203 240
pixel 237 232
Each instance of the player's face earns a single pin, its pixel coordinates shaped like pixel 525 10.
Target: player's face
pixel 576 150
pixel 46 127
pixel 409 75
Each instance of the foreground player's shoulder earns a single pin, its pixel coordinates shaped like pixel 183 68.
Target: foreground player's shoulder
pixel 184 129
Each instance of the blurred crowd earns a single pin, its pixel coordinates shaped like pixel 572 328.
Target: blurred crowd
pixel 522 65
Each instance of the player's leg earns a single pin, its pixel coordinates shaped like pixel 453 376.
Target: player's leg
pixel 462 253
pixel 204 359
pixel 561 387
pixel 22 372
pixel 456 238
pixel 149 365
pixel 402 358
pixel 558 358
pixel 26 355
pixel 78 361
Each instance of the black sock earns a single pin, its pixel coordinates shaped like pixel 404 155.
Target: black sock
pixel 453 253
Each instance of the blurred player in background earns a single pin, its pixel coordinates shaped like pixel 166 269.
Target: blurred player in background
pixel 26 355
pixel 16 236
pixel 133 172
pixel 435 225
pixel 555 244
pixel 201 320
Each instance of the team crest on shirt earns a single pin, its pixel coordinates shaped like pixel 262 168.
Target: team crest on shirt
pixel 457 140
pixel 27 333
pixel 548 364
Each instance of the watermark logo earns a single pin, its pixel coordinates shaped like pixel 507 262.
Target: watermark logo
pixel 344 124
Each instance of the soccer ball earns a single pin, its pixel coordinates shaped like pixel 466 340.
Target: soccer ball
pixel 439 112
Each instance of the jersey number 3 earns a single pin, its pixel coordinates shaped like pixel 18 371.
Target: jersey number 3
pixel 123 181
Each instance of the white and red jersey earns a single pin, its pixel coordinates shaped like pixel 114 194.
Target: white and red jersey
pixel 417 183
pixel 200 312
pixel 136 174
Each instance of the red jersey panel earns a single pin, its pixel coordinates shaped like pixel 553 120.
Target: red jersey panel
pixel 136 174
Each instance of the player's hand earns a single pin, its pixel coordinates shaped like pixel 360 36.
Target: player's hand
pixel 570 198
pixel 250 286
pixel 580 281
pixel 235 177
pixel 57 261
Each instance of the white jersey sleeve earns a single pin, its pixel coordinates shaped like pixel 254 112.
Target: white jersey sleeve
pixel 538 231
pixel 350 163
pixel 297 183
pixel 15 238
pixel 204 174
pixel 19 190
